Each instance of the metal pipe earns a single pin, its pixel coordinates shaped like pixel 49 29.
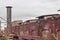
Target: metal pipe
pixel 9 25
pixel 0 25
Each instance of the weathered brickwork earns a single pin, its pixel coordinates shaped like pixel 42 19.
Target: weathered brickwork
pixel 48 27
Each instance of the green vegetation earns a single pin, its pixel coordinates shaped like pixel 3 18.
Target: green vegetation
pixel 5 38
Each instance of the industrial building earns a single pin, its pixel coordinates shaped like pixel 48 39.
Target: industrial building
pixel 46 27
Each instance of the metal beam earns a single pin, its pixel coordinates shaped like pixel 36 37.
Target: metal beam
pixel 3 19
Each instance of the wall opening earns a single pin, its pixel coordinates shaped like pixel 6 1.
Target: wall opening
pixel 15 38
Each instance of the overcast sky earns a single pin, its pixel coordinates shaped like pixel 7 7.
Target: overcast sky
pixel 27 9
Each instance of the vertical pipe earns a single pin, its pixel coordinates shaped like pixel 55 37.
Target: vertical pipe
pixel 9 25
pixel 0 25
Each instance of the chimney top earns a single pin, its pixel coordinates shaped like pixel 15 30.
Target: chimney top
pixel 58 10
pixel 8 6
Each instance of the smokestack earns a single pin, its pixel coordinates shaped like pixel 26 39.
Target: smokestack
pixel 0 25
pixel 9 25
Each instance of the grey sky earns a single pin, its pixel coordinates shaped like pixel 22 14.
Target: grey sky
pixel 27 9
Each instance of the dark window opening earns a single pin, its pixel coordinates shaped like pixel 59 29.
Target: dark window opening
pixel 15 38
pixel 32 39
pixel 20 23
pixel 24 39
